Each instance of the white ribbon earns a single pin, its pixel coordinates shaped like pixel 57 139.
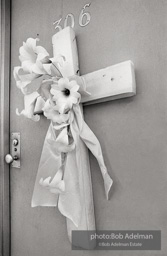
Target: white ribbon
pixel 59 180
pixel 58 184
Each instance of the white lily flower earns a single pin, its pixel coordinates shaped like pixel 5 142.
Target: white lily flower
pixel 52 113
pixel 27 82
pixel 65 94
pixel 29 106
pixel 33 57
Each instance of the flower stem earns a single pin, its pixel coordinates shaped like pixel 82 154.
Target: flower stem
pixel 57 69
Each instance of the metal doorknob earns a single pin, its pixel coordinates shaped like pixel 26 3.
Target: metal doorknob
pixel 9 158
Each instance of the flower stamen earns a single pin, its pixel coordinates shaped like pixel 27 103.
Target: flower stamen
pixel 66 92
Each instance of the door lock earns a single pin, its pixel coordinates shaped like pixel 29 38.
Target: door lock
pixel 14 157
pixel 15 142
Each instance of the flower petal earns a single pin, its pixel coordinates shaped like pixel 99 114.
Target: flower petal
pixel 55 86
pixel 60 188
pixel 43 58
pixel 63 106
pixel 31 42
pixel 55 71
pixel 47 68
pixel 44 89
pixel 40 49
pixel 15 73
pixel 82 84
pixel 74 88
pixel 60 126
pixel 50 111
pixel 63 82
pixel 29 106
pixel 24 55
pixel 28 77
pixel 45 182
pixel 72 84
pixel 27 65
pixel 26 114
pixel 76 95
pixel 57 185
pixel 31 86
pixel 59 59
pixel 37 68
pixel 57 95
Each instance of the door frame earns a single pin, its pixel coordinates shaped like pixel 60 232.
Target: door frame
pixel 5 15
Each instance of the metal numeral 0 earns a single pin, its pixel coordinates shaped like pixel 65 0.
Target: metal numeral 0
pixel 84 15
pixel 70 15
pixel 57 22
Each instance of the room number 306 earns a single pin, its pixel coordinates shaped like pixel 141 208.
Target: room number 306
pixel 84 19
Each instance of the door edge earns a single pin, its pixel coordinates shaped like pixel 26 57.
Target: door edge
pixel 4 127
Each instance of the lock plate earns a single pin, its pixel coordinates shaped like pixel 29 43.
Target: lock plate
pixel 15 149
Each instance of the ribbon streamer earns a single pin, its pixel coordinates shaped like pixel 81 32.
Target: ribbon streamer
pixel 67 187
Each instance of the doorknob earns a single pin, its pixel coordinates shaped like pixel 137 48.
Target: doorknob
pixel 9 158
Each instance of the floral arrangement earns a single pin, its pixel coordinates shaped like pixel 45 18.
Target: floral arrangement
pixel 40 76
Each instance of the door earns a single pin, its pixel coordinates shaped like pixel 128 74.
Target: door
pixel 132 131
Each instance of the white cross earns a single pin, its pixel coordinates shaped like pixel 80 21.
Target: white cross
pixel 113 82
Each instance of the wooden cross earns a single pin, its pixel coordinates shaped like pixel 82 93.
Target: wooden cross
pixel 113 82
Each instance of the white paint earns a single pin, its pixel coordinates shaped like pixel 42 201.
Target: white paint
pixel 64 43
pixel 117 81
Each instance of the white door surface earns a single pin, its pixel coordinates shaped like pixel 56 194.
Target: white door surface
pixel 132 131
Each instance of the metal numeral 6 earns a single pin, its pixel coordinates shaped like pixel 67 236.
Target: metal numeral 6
pixel 84 15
